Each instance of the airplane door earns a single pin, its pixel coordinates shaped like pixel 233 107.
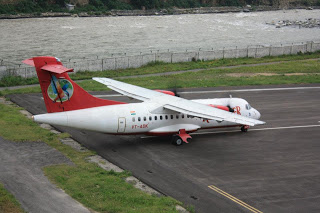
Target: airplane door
pixel 121 125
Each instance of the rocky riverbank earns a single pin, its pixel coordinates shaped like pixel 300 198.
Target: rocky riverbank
pixel 171 11
pixel 308 23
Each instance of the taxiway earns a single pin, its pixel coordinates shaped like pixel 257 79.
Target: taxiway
pixel 271 168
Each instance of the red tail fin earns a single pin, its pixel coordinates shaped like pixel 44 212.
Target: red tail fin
pixel 60 93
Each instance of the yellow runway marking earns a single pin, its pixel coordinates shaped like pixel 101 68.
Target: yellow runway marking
pixel 234 199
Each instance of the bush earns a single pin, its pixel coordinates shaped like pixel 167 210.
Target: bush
pixel 230 2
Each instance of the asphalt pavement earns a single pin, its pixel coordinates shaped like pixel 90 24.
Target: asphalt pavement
pixel 271 168
pixel 21 173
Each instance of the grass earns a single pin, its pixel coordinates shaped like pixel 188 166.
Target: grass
pixel 219 77
pixel 216 77
pixel 94 187
pixel 160 67
pixel 8 203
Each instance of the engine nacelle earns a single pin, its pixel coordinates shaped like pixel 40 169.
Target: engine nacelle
pixel 166 92
pixel 221 107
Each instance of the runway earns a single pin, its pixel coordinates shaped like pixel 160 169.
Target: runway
pixel 271 168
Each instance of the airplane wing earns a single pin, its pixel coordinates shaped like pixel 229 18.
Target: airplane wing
pixel 176 103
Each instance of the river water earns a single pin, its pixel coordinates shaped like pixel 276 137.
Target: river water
pixel 71 37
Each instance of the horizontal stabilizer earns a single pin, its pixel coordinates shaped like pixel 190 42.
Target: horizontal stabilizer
pixel 56 68
pixel 51 65
pixel 29 62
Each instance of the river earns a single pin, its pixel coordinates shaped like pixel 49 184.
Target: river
pixel 72 37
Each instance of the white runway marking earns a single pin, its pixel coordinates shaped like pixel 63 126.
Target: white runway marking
pixel 220 91
pixel 262 129
pixel 252 90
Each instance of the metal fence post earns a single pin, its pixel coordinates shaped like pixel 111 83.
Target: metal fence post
pixel 223 53
pixel 270 50
pixel 311 46
pixel 306 47
pixel 237 55
pixel 115 63
pixel 101 64
pixel 248 51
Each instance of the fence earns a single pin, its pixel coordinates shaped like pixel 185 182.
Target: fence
pixel 124 62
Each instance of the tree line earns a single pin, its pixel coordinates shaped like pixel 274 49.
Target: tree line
pixel 103 6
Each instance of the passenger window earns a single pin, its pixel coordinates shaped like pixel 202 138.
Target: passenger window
pixel 166 117
pixel 182 116
pixel 160 117
pixel 133 119
pixel 139 119
pixel 144 118
pixel 177 116
pixel 171 116
pixel 150 118
pixel 155 118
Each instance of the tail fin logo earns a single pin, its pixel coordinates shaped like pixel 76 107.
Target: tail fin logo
pixel 60 90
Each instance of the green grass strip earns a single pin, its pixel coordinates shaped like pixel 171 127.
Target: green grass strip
pixel 216 77
pixel 86 182
pixel 8 203
pixel 161 67
pixel 221 77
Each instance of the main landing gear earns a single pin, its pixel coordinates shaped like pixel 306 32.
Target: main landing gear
pixel 183 136
pixel 176 140
pixel 245 128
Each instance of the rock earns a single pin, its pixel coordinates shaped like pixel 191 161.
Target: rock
pixel 308 23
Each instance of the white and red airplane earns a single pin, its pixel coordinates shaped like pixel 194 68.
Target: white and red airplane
pixel 159 113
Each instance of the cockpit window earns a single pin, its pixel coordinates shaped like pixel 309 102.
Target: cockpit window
pixel 248 106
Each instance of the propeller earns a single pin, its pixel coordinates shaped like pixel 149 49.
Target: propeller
pixel 174 90
pixel 230 109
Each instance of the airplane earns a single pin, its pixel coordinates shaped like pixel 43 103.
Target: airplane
pixel 159 113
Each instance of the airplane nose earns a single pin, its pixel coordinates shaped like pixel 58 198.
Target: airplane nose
pixel 258 115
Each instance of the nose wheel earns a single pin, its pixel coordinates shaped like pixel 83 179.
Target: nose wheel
pixel 245 128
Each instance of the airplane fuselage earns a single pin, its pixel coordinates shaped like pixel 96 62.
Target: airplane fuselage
pixel 144 118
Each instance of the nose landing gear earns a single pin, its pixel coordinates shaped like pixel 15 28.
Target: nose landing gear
pixel 245 128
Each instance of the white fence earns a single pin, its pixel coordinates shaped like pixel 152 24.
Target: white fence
pixel 123 62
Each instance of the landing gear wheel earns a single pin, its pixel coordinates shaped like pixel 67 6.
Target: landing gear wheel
pixel 244 129
pixel 176 140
